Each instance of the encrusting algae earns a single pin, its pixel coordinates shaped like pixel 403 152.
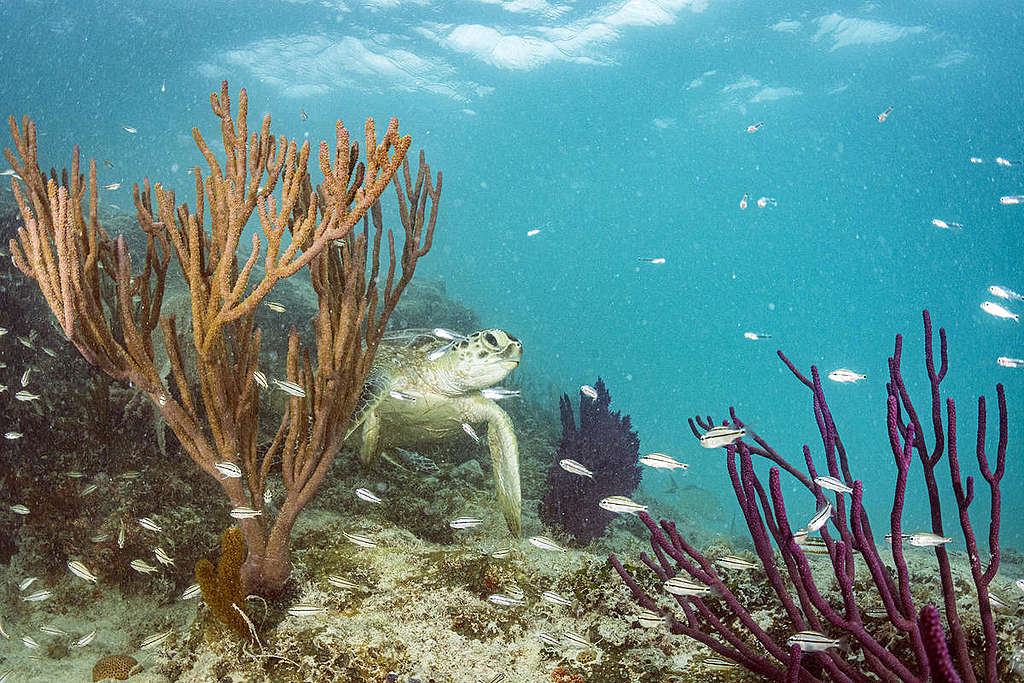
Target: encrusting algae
pixel 222 587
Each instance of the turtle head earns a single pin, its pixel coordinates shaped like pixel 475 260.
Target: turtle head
pixel 484 358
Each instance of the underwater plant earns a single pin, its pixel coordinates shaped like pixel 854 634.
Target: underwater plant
pixel 904 645
pixel 110 313
pixel 605 444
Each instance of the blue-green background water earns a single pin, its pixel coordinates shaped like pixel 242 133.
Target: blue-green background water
pixel 618 130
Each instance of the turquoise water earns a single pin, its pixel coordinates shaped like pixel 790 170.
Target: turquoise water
pixel 618 130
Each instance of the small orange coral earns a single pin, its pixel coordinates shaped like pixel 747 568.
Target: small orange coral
pixel 222 587
pixel 564 675
pixel 118 667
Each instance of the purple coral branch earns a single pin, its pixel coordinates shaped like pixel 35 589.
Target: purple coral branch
pixel 766 518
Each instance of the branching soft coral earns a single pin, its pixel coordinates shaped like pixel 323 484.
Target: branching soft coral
pixel 606 445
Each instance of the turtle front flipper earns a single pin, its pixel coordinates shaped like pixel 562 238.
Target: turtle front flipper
pixel 370 449
pixel 504 459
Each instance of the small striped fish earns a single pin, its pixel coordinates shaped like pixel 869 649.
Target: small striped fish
pixel 677 585
pixel 361 541
pixel 621 504
pixel 545 543
pixel 832 484
pixel 306 610
pixel 155 640
pixel 733 562
pixel 813 641
pixel 465 522
pixel 570 465
pixel 820 518
pixel 662 461
pixel 716 437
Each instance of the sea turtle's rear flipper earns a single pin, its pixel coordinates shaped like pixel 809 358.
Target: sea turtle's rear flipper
pixel 505 460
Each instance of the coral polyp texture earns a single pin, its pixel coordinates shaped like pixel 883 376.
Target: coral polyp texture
pixel 905 644
pixel 604 443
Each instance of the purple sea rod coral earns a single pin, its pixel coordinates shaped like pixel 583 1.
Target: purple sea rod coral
pixel 918 649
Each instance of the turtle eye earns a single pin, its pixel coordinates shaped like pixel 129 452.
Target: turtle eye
pixel 491 340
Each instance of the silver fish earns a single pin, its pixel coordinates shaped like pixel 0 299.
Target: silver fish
pixel 244 512
pixel 994 309
pixel 130 129
pixel 147 523
pixel 575 639
pixel 3 631
pixel 662 461
pixel 545 543
pixel 621 504
pixel 51 630
pixel 155 640
pixel 91 488
pixel 716 437
pixel 142 566
pixel 649 619
pixel 13 435
pixel 465 522
pixel 468 428
pixel 447 335
pixel 29 642
pixel 261 379
pixel 832 484
pixel 121 534
pixel 342 582
pixel 228 469
pixel 813 641
pixel 401 396
pixel 112 186
pixel 162 557
pixel 570 465
pixel 733 562
pixel 81 571
pixel 19 509
pixel 927 539
pixel 129 475
pixel 844 376
pixel 505 600
pixel 26 396
pixel 365 494
pixel 498 393
pixel 589 391
pixel 86 639
pixel 290 388
pixel 361 541
pixel 75 474
pixel 1007 362
pixel 1019 583
pixel 306 610
pixel 555 599
pixel 678 585
pixel 505 551
pixel 549 639
pixel 275 307
pixel 39 595
pixel 191 592
pixel 25 583
pixel 719 663
pixel 820 518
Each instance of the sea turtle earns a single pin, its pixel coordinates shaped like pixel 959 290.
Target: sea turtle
pixel 426 385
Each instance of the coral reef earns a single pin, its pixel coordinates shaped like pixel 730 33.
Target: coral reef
pixel 913 651
pixel 222 587
pixel 110 313
pixel 606 445
pixel 118 667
